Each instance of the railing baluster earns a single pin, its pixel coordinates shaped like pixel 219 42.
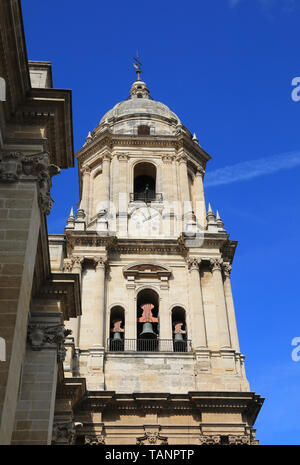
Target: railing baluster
pixel 148 345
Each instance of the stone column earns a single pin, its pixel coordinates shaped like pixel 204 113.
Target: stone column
pixel 165 320
pixel 74 265
pixel 85 197
pixel 122 201
pixel 230 307
pixel 131 314
pixel 167 186
pixel 221 311
pixel 183 179
pixel 104 199
pixel 97 336
pixel 199 201
pixel 44 351
pixel 198 329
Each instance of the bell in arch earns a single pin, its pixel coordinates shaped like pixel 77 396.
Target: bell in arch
pixel 178 332
pixel 117 330
pixel 147 319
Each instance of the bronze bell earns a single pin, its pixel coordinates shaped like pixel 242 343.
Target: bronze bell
pixel 148 332
pixel 117 336
pixel 178 337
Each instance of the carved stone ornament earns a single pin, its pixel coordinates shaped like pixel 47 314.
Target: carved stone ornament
pixel 95 440
pixel 63 433
pixel 216 264
pixel 15 166
pixel 68 265
pixel 41 336
pixel 100 262
pixel 227 269
pixel 210 440
pixel 237 440
pixel 152 438
pixel 194 263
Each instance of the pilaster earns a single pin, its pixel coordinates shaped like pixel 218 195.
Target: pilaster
pixel 221 311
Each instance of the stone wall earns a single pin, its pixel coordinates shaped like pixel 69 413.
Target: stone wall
pixel 19 229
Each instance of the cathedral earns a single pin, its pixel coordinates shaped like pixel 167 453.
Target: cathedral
pixel 122 329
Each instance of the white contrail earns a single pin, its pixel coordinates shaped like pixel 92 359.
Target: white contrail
pixel 252 169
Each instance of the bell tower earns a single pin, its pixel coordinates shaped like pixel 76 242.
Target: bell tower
pixel 157 339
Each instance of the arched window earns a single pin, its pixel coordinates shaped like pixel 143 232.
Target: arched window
pixel 117 329
pixel 179 330
pixel 147 320
pixel 144 183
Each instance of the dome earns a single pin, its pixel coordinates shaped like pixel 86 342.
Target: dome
pixel 140 110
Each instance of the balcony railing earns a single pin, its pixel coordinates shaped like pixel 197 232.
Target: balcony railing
pixel 148 345
pixel 145 197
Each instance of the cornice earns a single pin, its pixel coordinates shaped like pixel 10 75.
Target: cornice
pixel 248 403
pixel 195 153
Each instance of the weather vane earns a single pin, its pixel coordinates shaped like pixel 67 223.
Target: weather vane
pixel 137 66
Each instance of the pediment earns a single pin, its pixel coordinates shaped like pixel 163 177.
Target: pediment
pixel 149 269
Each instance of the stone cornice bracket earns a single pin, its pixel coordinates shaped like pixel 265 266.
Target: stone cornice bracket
pixel 216 264
pixel 194 263
pixel 95 440
pixel 14 166
pixel 151 438
pixel 227 269
pixel 100 263
pixel 42 336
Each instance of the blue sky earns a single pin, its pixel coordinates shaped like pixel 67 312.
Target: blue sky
pixel 225 67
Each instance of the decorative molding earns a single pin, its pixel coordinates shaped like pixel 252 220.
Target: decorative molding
pixel 63 433
pixel 100 262
pixel 85 170
pixel 71 263
pixel 14 166
pixel 41 336
pixel 210 440
pixel 227 269
pixel 122 157
pixel 168 159
pixel 216 264
pixel 94 440
pixel 194 263
pixel 151 438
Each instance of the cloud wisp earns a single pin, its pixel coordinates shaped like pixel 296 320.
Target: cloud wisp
pixel 266 3
pixel 252 169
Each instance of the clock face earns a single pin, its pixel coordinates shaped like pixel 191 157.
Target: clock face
pixel 145 220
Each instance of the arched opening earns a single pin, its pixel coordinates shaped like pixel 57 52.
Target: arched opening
pixel 143 130
pixel 117 329
pixel 144 184
pixel 147 320
pixel 179 329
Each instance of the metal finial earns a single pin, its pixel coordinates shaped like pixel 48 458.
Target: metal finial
pixel 137 66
